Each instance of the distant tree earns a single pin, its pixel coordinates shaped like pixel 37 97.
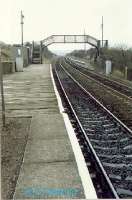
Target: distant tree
pixel 121 56
pixel 28 44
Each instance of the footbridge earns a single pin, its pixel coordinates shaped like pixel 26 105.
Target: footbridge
pixel 71 39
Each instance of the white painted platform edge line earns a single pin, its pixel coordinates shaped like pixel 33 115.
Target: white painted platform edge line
pixel 61 108
pixel 89 189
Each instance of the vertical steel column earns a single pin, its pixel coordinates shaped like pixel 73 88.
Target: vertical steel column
pixel 75 39
pixel 41 59
pixel 64 39
pixel 32 50
pixel 98 47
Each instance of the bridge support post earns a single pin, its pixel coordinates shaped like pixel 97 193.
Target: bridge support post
pixel 32 51
pixel 98 47
pixel 41 55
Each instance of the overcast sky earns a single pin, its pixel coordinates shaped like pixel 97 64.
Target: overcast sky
pixel 46 17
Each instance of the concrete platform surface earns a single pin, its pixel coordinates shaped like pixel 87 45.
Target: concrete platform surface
pixel 29 92
pixel 49 169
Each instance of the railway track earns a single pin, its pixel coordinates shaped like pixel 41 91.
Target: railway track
pixel 119 104
pixel 105 141
pixel 115 85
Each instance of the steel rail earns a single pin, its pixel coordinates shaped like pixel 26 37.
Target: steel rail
pixel 106 86
pixel 110 113
pixel 86 137
pixel 99 75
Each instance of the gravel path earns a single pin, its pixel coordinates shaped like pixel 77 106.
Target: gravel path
pixel 13 142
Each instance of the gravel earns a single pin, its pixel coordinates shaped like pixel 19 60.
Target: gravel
pixel 13 142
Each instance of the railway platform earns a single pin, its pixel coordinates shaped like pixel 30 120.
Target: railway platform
pixel 51 167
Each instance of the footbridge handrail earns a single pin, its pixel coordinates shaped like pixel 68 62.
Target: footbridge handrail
pixel 71 39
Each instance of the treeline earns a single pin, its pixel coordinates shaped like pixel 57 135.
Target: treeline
pixel 121 58
pixel 47 53
pixel 78 53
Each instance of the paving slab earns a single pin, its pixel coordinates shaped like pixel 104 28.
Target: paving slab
pixel 49 162
pixel 30 112
pixel 50 150
pixel 44 180
pixel 52 126
pixel 29 91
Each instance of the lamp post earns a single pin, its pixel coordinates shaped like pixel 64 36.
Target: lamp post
pixel 2 91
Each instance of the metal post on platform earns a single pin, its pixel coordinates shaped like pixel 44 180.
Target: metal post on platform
pixel 2 92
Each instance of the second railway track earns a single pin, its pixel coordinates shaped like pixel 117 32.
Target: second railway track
pixel 108 138
pixel 118 104
pixel 123 89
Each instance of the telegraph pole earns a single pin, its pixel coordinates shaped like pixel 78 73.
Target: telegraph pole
pixel 102 26
pixel 2 91
pixel 22 16
pixel 22 22
pixel 84 42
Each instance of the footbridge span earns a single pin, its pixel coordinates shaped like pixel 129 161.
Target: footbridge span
pixel 70 39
